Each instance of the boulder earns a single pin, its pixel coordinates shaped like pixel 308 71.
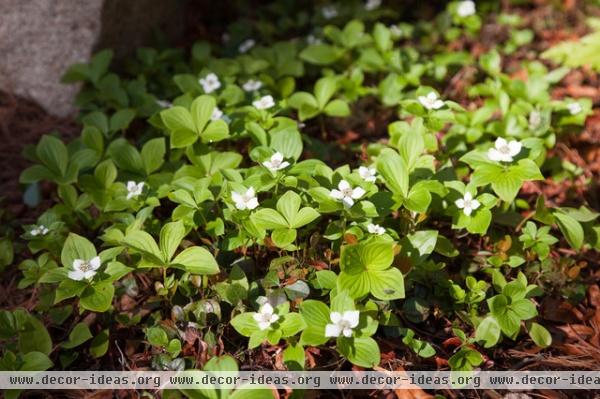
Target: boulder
pixel 40 39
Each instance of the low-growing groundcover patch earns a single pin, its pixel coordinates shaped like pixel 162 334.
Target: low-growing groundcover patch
pixel 233 204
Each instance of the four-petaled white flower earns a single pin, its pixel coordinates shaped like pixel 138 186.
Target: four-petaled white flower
pixel 468 204
pixel 431 101
pixel 40 230
pixel 346 193
pixel 395 30
pixel 84 269
pixel 312 39
pixel 134 189
pixel 329 12
pixel 265 102
pixel 372 4
pixel 252 85
pixel 265 316
pixel 375 229
pixel 368 174
pixel 246 45
pixel 574 108
pixel 216 114
pixel 245 200
pixel 342 323
pixel 503 150
pixel 465 8
pixel 210 83
pixel 276 162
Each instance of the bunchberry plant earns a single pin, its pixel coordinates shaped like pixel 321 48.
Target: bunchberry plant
pixel 336 191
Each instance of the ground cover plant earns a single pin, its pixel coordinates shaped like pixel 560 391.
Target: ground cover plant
pixel 327 189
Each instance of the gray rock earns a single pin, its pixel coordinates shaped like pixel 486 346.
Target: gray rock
pixel 40 39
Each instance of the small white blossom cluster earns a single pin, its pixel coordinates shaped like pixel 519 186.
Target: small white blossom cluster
pixel 245 200
pixel 246 45
pixel 431 101
pixel 276 162
pixel 252 85
pixel 342 323
pixel 84 269
pixel 40 230
pixel 468 204
pixel 265 102
pixel 210 83
pixel 465 8
pixel 504 151
pixel 134 189
pixel 265 316
pixel 346 193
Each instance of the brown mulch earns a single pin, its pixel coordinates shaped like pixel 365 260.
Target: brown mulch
pixel 22 123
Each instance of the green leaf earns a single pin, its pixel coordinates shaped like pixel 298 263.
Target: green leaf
pixel 76 247
pixel 34 337
pixel 99 345
pixel 288 205
pixel 362 352
pixel 196 260
pixel 293 357
pixel 181 125
pixel 145 244
pixel 291 324
pixel 540 336
pixel 570 228
pixel 156 336
pixel 97 298
pixel 411 146
pixel 269 219
pixel 53 154
pixel 316 315
pixel 201 111
pixel 324 90
pixel 321 54
pixel 394 171
pixel 153 153
pixel 488 331
pixel 524 309
pixel 35 361
pixel 337 108
pixel 171 235
pixel 283 237
pixel 80 334
pixel 387 284
pixel 245 324
pixel 374 255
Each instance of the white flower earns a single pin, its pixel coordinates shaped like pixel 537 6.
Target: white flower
pixel 216 114
pixel 134 189
pixel 468 204
pixel 343 323
pixel 246 45
pixel 163 103
pixel 574 108
pixel 276 162
pixel 246 200
pixel 265 316
pixel 431 101
pixel 40 230
pixel 375 229
pixel 265 102
pixel 252 85
pixel 84 269
pixel 368 174
pixel 329 12
pixel 312 39
pixel 535 119
pixel 210 83
pixel 465 8
pixel 372 4
pixel 395 31
pixel 346 194
pixel 504 151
